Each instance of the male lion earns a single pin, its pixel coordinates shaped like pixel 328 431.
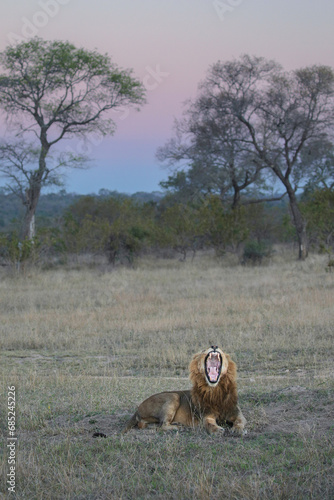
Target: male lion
pixel 213 398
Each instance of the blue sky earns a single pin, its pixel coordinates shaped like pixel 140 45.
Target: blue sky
pixel 177 40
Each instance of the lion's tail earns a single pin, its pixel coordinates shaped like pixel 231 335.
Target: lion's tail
pixel 131 423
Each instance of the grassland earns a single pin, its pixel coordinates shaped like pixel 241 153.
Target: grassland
pixel 83 347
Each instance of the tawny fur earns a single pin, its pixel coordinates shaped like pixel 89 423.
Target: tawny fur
pixel 205 402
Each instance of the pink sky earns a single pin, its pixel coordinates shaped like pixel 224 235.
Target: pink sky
pixel 170 45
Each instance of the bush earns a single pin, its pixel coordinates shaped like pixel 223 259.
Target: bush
pixel 224 229
pixel 319 213
pixel 125 245
pixel 255 251
pixel 19 253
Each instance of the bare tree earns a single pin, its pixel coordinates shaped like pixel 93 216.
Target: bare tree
pixel 217 161
pixel 276 116
pixel 317 164
pixel 56 91
pixel 18 163
pixel 282 114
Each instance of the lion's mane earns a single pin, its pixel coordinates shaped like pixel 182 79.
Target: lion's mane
pixel 221 399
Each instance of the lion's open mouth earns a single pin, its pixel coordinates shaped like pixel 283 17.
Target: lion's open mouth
pixel 213 366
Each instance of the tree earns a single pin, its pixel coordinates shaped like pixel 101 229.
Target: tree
pixel 18 162
pixel 281 114
pixel 54 91
pixel 266 119
pixel 212 143
pixel 318 161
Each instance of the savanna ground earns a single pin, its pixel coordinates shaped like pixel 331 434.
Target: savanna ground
pixel 83 347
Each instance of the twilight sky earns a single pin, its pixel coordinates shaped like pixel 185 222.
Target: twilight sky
pixel 170 45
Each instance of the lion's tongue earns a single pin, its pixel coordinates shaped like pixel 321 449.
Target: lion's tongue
pixel 213 367
pixel 213 373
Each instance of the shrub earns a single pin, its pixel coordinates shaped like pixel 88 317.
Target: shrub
pixel 255 251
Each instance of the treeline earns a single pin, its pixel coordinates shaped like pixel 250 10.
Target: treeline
pixel 123 228
pixel 53 205
pixel 252 129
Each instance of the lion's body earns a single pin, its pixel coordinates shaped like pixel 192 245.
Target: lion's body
pixel 165 409
pixel 209 402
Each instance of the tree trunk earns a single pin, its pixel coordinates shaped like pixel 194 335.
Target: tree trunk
pixel 236 197
pixel 300 225
pixel 32 197
pixel 34 190
pixel 28 228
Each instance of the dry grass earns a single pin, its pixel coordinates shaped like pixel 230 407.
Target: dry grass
pixel 84 347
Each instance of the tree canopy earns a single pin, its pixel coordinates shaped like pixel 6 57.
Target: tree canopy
pixel 251 119
pixel 51 90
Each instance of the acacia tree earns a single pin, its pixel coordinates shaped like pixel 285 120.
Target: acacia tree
pixel 54 91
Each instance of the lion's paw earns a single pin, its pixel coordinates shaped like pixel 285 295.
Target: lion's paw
pixel 238 432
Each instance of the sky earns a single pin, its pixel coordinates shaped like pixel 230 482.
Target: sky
pixel 170 45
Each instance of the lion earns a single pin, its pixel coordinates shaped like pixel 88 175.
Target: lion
pixel 212 399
